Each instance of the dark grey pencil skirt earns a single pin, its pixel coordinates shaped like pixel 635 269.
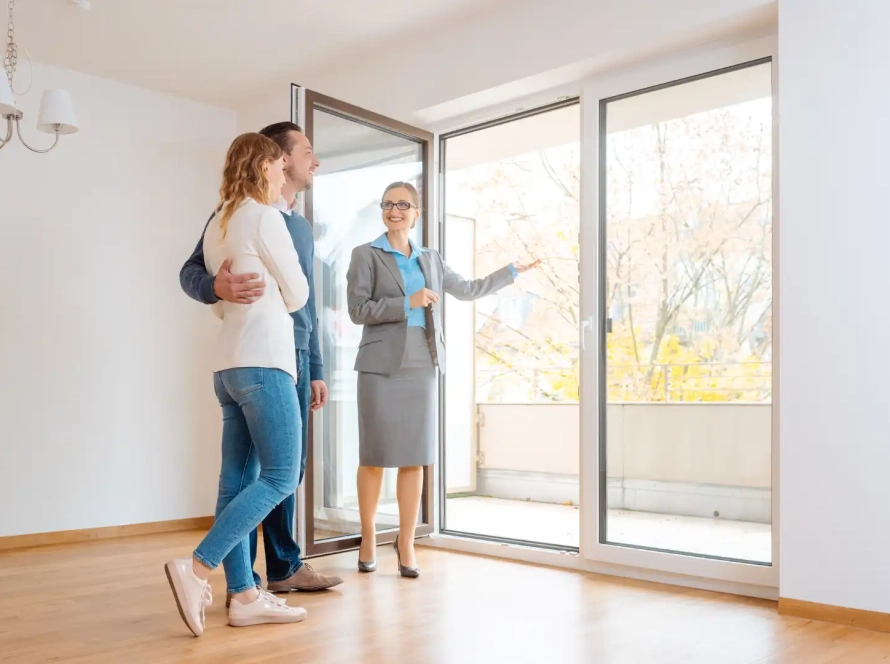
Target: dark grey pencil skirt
pixel 397 413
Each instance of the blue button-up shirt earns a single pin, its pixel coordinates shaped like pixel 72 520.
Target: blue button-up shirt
pixel 412 276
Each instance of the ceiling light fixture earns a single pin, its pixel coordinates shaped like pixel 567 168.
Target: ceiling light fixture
pixel 56 114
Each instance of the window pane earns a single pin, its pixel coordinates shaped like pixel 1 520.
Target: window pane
pixel 511 409
pixel 357 163
pixel 688 270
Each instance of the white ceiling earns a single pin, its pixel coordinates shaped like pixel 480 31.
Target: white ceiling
pixel 221 51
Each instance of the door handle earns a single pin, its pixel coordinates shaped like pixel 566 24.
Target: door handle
pixel 586 326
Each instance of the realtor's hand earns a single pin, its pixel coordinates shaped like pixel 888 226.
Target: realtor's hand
pixel 525 267
pixel 423 298
pixel 237 288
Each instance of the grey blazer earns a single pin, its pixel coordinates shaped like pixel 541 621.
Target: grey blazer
pixel 375 295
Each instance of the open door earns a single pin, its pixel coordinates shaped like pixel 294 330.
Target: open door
pixel 360 153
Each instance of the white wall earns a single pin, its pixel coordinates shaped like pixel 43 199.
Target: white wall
pixel 263 111
pixel 107 415
pixel 834 108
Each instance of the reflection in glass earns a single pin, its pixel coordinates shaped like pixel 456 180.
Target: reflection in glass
pixel 357 163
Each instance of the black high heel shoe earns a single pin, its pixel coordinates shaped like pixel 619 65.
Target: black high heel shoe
pixel 404 570
pixel 367 568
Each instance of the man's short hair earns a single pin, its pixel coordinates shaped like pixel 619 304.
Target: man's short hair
pixel 280 132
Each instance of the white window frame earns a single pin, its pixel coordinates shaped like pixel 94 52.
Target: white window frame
pixel 674 568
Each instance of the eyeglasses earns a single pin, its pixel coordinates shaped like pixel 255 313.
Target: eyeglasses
pixel 402 205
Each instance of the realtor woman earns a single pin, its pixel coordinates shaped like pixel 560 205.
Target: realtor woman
pixel 393 290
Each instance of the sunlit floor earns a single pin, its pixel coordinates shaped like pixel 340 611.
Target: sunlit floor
pixel 107 602
pixel 560 525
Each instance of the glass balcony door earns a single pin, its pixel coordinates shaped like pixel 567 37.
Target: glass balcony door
pixel 360 153
pixel 687 292
pixel 678 453
pixel 510 457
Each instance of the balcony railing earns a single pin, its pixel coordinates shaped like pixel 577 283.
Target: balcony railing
pixel 691 439
pixel 725 382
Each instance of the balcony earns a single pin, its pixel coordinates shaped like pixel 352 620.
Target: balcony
pixel 693 477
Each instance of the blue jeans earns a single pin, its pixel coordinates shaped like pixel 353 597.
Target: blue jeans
pixel 280 546
pixel 261 425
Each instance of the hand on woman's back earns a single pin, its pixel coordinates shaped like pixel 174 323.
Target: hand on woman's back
pixel 237 288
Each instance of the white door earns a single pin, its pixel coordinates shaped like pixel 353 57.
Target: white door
pixel 678 417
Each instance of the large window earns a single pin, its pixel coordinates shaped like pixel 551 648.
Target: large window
pixel 618 400
pixel 686 278
pixel 512 192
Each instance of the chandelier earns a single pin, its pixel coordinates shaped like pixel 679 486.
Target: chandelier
pixel 56 114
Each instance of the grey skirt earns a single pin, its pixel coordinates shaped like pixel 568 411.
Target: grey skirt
pixel 397 413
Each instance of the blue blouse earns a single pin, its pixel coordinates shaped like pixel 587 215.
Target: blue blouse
pixel 412 276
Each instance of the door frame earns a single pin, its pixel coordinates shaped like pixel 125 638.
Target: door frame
pixel 664 73
pixel 673 569
pixel 303 102
pixel 564 101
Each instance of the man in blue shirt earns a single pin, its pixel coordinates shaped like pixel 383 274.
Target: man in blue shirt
pixel 285 571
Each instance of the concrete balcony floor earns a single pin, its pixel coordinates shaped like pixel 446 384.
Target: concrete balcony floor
pixel 560 524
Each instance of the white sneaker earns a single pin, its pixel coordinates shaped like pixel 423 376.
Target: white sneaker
pixel 264 609
pixel 191 593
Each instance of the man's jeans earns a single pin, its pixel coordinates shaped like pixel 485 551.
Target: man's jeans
pixel 261 464
pixel 282 550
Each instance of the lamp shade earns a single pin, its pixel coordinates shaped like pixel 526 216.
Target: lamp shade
pixel 7 103
pixel 56 110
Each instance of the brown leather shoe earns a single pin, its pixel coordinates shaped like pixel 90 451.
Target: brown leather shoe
pixel 305 580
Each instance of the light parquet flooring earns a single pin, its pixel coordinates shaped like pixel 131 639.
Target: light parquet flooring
pixel 109 601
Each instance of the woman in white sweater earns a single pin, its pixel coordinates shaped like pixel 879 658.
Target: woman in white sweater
pixel 255 373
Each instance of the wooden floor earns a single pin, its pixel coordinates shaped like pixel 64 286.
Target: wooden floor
pixel 109 602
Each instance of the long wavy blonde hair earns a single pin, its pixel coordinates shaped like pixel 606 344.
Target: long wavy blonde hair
pixel 244 175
